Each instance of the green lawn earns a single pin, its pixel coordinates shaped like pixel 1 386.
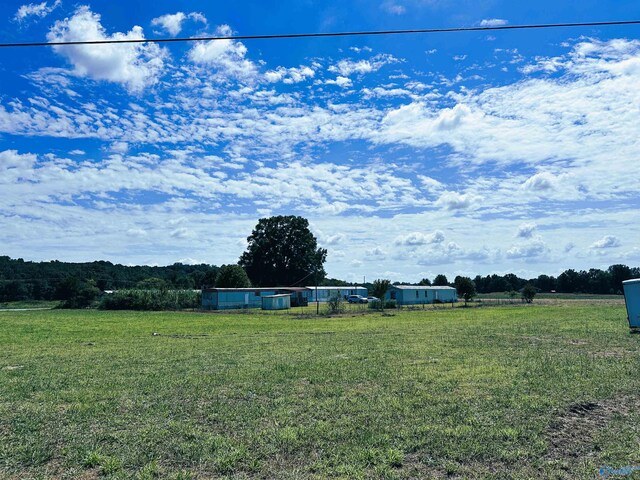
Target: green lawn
pixel 497 392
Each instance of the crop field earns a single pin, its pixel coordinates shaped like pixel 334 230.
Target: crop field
pixel 524 391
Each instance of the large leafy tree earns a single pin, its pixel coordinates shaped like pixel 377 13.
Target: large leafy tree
pixel 466 288
pixel 440 281
pixel 232 276
pixel 282 251
pixel 528 293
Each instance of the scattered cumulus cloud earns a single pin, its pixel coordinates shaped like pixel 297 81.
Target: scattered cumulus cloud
pixel 526 230
pixel 608 241
pixel 541 182
pixel 136 66
pixel 39 10
pixel 172 23
pixel 418 238
pixel 493 22
pixel 290 75
pixel 457 201
pixel 340 81
pixel 536 248
pixel 347 67
pixel 228 56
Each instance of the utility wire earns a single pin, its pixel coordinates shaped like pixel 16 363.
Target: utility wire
pixel 329 34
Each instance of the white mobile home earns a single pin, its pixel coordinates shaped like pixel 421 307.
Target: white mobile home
pixel 421 295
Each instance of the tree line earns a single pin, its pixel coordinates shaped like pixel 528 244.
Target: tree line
pixel 55 280
pixel 593 281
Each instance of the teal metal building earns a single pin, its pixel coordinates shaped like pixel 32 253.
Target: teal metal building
pixel 421 295
pixel 241 298
pixel 631 290
pixel 327 292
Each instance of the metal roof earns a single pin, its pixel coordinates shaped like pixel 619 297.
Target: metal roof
pixel 256 289
pixel 419 287
pixel 346 287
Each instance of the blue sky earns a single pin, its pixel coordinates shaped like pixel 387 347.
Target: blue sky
pixel 410 155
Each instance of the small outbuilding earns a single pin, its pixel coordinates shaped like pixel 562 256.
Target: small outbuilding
pixel 281 301
pixel 631 290
pixel 421 295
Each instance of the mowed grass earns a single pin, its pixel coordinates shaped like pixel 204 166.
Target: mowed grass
pixel 502 392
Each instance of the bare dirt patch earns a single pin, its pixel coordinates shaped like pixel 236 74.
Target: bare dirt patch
pixel 571 435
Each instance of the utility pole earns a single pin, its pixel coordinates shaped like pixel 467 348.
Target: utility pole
pixel 317 300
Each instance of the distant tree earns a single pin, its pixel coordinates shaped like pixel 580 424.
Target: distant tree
pixel 209 278
pixel 14 290
pixel 80 294
pixel 497 283
pixel 528 293
pixel 379 290
pixel 425 282
pixel 546 283
pixel 440 281
pixel 619 273
pixel 232 276
pixel 282 251
pixel 466 288
pixel 568 281
pixel 599 281
pixel 331 282
pixel 152 283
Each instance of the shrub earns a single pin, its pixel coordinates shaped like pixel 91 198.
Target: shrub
pixel 376 304
pixel 335 305
pixel 151 300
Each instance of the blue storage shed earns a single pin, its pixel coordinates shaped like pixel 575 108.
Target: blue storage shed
pixel 631 290
pixel 281 301
pixel 421 295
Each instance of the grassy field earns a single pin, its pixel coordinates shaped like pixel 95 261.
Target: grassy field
pixel 28 304
pixel 546 391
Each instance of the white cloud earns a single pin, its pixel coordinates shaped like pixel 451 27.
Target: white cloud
pixel 394 8
pixel 418 238
pixel 526 230
pixel 541 182
pixel 172 23
pixel 181 233
pixel 493 22
pixel 608 241
pixel 347 67
pixel 457 201
pixel 536 248
pixel 136 66
pixel 39 10
pixel 377 252
pixel 340 81
pixel 290 75
pixel 333 239
pixel 228 56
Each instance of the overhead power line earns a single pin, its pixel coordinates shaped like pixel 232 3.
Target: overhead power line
pixel 328 34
